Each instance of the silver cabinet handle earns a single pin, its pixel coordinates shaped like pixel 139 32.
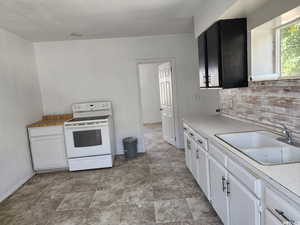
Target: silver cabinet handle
pixel 197 154
pixel 228 188
pixel 279 214
pixel 223 183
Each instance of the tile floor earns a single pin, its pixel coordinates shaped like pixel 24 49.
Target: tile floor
pixel 153 189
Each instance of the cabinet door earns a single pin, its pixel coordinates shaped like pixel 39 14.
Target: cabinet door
pixel 233 38
pixel 239 195
pixel 218 195
pixel 202 170
pixel 188 151
pixel 48 152
pixel 194 159
pixel 213 56
pixel 202 60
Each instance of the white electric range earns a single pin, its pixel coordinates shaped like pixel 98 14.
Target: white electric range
pixel 89 136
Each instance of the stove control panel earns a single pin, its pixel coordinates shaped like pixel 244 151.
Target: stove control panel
pixel 91 106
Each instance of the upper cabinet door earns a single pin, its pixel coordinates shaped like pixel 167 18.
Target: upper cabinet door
pixel 213 56
pixel 202 60
pixel 226 54
pixel 233 36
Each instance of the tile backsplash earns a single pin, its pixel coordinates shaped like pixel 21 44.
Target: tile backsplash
pixel 268 103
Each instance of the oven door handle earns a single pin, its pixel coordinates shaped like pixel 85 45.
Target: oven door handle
pixel 85 126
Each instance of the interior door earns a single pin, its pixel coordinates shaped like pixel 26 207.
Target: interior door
pixel 248 214
pixel 218 193
pixel 166 102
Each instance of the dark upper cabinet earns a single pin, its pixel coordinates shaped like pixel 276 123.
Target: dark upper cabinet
pixel 213 56
pixel 226 54
pixel 202 60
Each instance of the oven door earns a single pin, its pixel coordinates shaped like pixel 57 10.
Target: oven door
pixel 87 141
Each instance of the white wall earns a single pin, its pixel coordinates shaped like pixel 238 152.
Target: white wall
pixel 149 84
pixel 270 10
pixel 262 52
pixel 267 12
pixel 20 105
pixel 85 70
pixel 210 12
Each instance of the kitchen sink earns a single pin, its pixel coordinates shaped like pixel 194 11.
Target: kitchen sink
pixel 263 147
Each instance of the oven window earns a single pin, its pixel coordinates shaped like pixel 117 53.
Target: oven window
pixel 87 138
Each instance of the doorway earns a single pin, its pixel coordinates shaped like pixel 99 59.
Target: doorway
pixel 157 101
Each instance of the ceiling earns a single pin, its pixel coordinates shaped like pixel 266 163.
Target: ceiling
pixel 243 8
pixel 51 20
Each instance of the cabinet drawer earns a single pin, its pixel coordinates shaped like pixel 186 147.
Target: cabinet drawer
pixel 282 208
pixel 189 131
pixel 201 141
pixel 217 154
pixel 245 177
pixel 196 137
pixel 45 131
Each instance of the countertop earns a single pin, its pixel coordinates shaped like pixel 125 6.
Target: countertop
pixel 51 120
pixel 285 178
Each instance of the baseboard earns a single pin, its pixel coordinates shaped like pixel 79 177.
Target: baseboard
pixel 62 169
pixel 151 124
pixel 15 187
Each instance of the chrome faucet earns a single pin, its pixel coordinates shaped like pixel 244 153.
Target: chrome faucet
pixel 288 139
pixel 288 134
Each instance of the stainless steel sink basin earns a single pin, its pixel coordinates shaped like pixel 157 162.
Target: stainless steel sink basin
pixel 263 147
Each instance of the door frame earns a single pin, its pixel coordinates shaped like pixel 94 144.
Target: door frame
pixel 174 95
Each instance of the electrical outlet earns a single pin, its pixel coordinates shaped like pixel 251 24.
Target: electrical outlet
pixel 197 97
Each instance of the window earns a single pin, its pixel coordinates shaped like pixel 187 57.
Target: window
pixel 288 50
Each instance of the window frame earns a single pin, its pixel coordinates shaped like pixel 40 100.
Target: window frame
pixel 278 50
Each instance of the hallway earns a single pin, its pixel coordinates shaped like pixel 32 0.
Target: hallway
pixel 153 189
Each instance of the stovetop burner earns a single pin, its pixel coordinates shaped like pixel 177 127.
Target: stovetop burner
pixel 88 118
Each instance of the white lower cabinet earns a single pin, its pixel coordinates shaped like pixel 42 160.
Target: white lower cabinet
pixel 236 193
pixel 218 194
pixel 244 207
pixel 47 146
pixel 279 209
pixel 196 159
pixel 203 170
pixel 232 190
pixel 233 202
pixel 270 219
pixel 188 151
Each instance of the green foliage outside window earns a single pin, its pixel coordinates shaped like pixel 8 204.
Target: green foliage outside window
pixel 290 50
